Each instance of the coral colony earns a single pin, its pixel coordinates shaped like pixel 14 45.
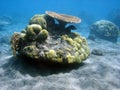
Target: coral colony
pixel 44 40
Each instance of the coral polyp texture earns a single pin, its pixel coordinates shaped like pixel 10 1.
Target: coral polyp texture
pixel 44 40
pixel 104 29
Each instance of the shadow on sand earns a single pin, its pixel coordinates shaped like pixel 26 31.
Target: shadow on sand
pixel 34 69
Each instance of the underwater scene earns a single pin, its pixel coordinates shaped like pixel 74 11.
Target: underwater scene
pixel 60 45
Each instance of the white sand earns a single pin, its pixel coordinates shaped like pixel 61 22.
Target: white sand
pixel 96 73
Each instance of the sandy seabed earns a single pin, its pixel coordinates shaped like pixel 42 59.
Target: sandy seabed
pixel 96 73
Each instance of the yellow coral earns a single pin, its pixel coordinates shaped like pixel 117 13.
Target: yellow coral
pixel 60 60
pixel 82 56
pixel 78 40
pixel 40 20
pixel 87 50
pixel 84 41
pixel 64 37
pixel 31 51
pixel 42 36
pixel 51 54
pixel 61 47
pixel 77 58
pixel 70 58
pixel 67 39
pixel 15 42
pixel 32 31
pixel 70 41
pixel 68 49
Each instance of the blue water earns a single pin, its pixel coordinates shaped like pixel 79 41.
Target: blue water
pixel 97 72
pixel 98 8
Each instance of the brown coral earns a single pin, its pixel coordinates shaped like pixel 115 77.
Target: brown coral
pixel 63 20
pixel 64 17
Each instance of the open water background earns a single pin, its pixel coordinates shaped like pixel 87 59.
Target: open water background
pixel 96 73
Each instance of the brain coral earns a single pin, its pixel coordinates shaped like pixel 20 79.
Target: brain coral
pixel 105 29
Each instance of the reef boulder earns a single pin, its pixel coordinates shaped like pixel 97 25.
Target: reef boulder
pixel 104 29
pixel 50 44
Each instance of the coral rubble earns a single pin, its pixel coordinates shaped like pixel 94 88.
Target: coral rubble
pixel 44 40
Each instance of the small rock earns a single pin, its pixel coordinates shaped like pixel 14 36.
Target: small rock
pixel 97 52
